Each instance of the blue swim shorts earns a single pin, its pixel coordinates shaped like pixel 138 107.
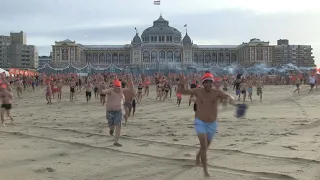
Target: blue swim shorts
pixel 114 118
pixel 250 90
pixel 206 128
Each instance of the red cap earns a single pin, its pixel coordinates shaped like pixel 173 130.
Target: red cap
pixel 207 76
pixel 117 83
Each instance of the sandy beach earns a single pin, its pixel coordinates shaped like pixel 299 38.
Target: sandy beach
pixel 278 140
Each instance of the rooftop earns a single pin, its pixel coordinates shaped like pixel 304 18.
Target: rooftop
pixel 217 46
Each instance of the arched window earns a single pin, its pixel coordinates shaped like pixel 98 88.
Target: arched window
pixel 127 59
pixel 220 58
pixel 121 59
pixel 146 56
pixel 234 58
pixel 170 56
pixel 162 56
pixel 115 58
pixel 177 57
pixel 95 58
pixel 109 59
pixel 214 57
pixel 207 58
pixel 195 58
pixel 154 56
pixel 102 58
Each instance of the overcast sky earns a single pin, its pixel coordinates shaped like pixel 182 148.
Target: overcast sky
pixel 229 22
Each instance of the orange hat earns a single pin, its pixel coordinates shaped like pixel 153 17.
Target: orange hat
pixel 117 83
pixel 207 76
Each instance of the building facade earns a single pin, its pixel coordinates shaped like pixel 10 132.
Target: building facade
pixel 15 53
pixel 299 55
pixel 43 60
pixel 162 46
pixel 255 51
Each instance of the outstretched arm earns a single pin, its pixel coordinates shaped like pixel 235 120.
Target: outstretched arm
pixel 181 89
pixel 226 97
pixel 107 91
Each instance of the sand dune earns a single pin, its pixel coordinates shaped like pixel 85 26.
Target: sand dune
pixel 278 140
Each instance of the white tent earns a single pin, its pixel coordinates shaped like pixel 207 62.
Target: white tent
pixel 2 70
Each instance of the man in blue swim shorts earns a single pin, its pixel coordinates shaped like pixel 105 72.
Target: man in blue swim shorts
pixel 207 100
pixel 250 87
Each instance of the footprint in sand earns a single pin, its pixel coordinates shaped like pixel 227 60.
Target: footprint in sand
pixel 295 148
pixel 42 170
pixel 25 146
pixel 62 154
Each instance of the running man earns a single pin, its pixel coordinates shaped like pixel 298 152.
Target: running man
pixel 207 100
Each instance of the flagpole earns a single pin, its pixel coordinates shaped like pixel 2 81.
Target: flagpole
pixel 186 26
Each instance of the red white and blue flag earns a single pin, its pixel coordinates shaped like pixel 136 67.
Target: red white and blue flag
pixel 156 2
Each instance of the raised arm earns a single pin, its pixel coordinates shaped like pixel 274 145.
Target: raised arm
pixel 107 91
pixel 181 87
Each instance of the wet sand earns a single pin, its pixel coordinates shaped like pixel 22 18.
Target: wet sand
pixel 278 140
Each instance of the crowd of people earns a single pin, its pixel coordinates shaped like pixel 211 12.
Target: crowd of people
pixel 121 93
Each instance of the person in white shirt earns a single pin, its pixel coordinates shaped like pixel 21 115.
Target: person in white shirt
pixel 312 81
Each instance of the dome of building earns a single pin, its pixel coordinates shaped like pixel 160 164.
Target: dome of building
pixel 136 39
pixel 161 28
pixel 186 39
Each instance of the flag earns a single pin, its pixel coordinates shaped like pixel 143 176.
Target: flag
pixel 156 2
pixel 185 25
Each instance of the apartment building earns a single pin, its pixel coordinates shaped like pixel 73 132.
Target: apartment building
pixel 299 55
pixel 15 53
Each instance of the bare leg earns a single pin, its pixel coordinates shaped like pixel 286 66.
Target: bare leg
pixel 133 110
pixel 126 116
pixel 2 117
pixel 9 115
pixel 117 135
pixel 203 153
pixel 198 162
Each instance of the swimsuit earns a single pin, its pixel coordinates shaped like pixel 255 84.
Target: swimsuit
pixel 88 94
pixel 6 106
pixel 259 91
pixel 250 90
pixel 128 104
pixel 72 89
pixel 114 118
pixel 208 128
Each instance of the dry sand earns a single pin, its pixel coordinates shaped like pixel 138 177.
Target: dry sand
pixel 278 140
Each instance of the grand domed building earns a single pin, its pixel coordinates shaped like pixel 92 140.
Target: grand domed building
pixel 159 47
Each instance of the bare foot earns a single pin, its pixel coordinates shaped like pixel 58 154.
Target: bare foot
pixel 206 174
pixel 111 132
pixel 3 125
pixel 117 144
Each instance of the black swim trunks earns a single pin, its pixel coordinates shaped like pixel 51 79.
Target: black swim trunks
pixel 88 94
pixel 194 107
pixel 6 106
pixel 72 90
